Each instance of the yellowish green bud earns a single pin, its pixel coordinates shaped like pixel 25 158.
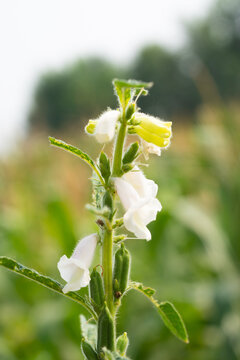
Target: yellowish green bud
pixel 90 127
pixel 122 344
pixel 152 130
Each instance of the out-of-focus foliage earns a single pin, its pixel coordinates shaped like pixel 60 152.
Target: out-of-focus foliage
pixel 78 92
pixel 192 260
pixel 207 68
pixel 214 50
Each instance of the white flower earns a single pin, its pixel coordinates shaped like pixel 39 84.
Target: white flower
pixel 74 270
pixel 138 196
pixel 152 130
pixel 149 148
pixel 103 128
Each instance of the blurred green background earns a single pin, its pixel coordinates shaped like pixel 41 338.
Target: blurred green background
pixel 193 259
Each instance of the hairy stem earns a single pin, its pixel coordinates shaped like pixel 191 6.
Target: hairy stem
pixel 107 255
pixel 118 151
pixel 107 235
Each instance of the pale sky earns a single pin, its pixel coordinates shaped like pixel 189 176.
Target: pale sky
pixel 37 35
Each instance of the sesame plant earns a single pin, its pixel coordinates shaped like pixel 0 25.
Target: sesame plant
pixel 124 202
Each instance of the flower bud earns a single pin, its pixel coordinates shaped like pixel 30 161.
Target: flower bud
pixel 122 344
pixel 104 166
pixel 103 128
pixel 106 330
pixel 107 200
pixel 131 153
pixel 87 350
pixel 96 289
pixel 131 108
pixel 151 129
pixel 127 167
pixel 90 127
pixel 74 270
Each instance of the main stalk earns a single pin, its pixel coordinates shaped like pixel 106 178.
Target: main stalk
pixel 107 233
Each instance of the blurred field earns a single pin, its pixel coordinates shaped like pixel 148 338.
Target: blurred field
pixel 192 260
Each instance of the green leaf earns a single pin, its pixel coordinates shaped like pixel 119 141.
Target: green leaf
pixel 126 89
pixel 46 281
pixel 173 320
pixel 89 331
pixel 132 84
pixel 170 316
pixel 131 153
pixel 123 95
pixel 75 151
pixel 104 166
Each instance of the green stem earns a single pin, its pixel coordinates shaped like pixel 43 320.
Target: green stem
pixel 107 255
pixel 118 151
pixel 107 235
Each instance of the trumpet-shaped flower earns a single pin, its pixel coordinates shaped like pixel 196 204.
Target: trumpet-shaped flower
pixel 75 270
pixel 103 128
pixel 152 130
pixel 149 148
pixel 138 197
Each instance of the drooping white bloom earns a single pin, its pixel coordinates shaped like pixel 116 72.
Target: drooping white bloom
pixel 75 270
pixel 149 148
pixel 103 128
pixel 138 197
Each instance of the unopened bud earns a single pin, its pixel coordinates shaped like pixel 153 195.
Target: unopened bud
pixel 104 166
pixel 122 344
pixel 130 110
pixel 90 127
pixel 131 153
pixel 127 167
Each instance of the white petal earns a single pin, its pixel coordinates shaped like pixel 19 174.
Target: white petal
pixel 105 126
pixel 143 186
pixel 85 248
pixel 137 194
pixel 149 148
pixel 74 270
pixel 68 266
pixel 126 193
pixel 138 216
pixel 80 279
pixel 148 212
pixel 132 224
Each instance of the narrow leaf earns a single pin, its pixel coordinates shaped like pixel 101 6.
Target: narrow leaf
pixel 75 151
pixel 133 84
pixel 89 331
pixel 173 320
pixel 46 281
pixel 170 316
